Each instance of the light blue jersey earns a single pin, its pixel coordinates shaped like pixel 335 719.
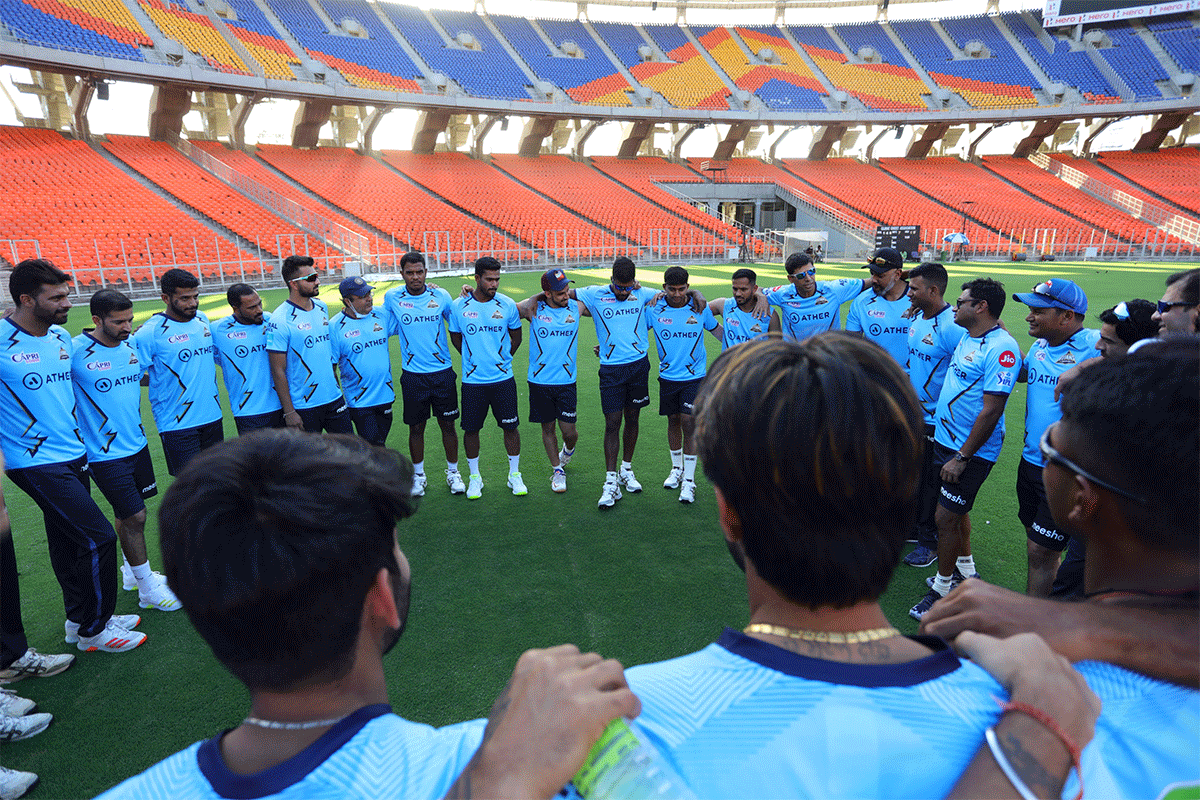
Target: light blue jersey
pixel 985 365
pixel 183 371
pixel 554 344
pixel 739 326
pixel 370 754
pixel 679 338
pixel 1147 738
pixel 931 343
pixel 486 347
pixel 1044 364
pixel 807 316
pixel 420 325
pixel 108 398
pixel 360 346
pixel 882 321
pixel 242 357
pixel 37 400
pixel 743 718
pixel 620 324
pixel 304 336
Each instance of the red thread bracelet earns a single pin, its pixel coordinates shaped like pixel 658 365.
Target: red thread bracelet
pixel 1052 724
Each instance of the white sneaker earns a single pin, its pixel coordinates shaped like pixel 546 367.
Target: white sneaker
pixel 36 665
pixel 564 457
pixel 687 492
pixel 126 621
pixel 558 481
pixel 516 484
pixel 628 480
pixel 14 783
pixel 475 489
pixel 159 595
pixel 113 639
pixel 13 706
pixel 419 484
pixel 128 582
pixel 14 729
pixel 455 482
pixel 610 495
pixel 674 477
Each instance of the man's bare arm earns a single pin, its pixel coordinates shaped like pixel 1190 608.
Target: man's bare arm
pixel 515 335
pixel 775 325
pixel 278 362
pixel 456 340
pixel 717 307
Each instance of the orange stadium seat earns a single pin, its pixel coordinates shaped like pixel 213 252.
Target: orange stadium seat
pixel 1173 173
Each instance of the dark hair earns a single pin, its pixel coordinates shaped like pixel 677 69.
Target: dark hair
pixel 411 257
pixel 1190 291
pixel 744 272
pixel 174 279
pixel 817 446
pixel 796 262
pixel 236 292
pixel 1145 403
pixel 624 270
pixel 108 301
pixel 31 275
pixel 990 290
pixel 675 276
pixel 932 272
pixel 292 266
pixel 1137 326
pixel 271 541
pixel 486 264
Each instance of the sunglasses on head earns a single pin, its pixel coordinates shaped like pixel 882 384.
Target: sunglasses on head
pixel 1121 311
pixel 880 261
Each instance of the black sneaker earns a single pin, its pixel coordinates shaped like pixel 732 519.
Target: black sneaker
pixel 918 611
pixel 921 556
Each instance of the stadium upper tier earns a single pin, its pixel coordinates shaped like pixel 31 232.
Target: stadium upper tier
pixel 1004 61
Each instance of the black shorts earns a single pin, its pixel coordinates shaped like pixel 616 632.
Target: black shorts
pixel 332 417
pixel 180 447
pixel 424 390
pixel 959 497
pixel 373 423
pixel 126 483
pixel 625 385
pixel 1034 511
pixel 549 402
pixel 677 397
pixel 255 422
pixel 501 397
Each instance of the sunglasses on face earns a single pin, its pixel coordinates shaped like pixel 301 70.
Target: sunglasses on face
pixel 1164 307
pixel 1052 456
pixel 310 277
pixel 969 301
pixel 806 274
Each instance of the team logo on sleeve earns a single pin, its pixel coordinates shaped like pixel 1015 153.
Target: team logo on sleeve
pixel 1008 359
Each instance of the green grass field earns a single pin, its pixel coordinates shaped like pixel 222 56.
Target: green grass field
pixel 646 580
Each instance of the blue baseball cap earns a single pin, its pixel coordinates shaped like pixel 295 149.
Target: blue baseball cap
pixel 354 287
pixel 1055 293
pixel 554 280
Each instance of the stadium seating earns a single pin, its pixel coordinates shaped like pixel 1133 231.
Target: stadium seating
pixel 688 81
pixel 1071 67
pixel 789 85
pixel 1173 173
pixel 590 79
pixel 101 27
pixel 486 72
pixel 884 87
pixel 375 194
pixel 92 218
pixel 1180 37
pixel 261 40
pixel 1134 62
pixel 197 34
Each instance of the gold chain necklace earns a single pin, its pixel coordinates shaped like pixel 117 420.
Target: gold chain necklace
pixel 825 637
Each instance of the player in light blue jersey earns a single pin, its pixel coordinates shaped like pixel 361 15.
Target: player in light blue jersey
pixel 485 326
pixel 108 394
pixel 554 368
pixel 969 427
pixel 808 306
pixel 678 331
pixel 419 313
pixel 818 521
pixel 301 601
pixel 46 458
pixel 932 336
pixel 880 313
pixel 359 336
pixel 301 356
pixel 1056 311
pixel 176 350
pixel 240 341
pixel 739 322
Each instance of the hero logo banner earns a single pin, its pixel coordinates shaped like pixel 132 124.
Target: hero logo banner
pixel 1008 359
pixel 1074 12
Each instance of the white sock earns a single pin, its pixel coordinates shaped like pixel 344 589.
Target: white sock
pixel 941 585
pixel 966 565
pixel 689 468
pixel 626 465
pixel 419 467
pixel 514 464
pixel 452 466
pixel 473 465
pixel 569 452
pixel 677 459
pixel 142 574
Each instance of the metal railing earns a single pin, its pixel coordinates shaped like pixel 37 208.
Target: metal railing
pixel 1036 243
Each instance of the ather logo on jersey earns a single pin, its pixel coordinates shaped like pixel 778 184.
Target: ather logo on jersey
pixel 1008 359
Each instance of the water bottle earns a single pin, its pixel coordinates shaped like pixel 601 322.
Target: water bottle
pixel 624 765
